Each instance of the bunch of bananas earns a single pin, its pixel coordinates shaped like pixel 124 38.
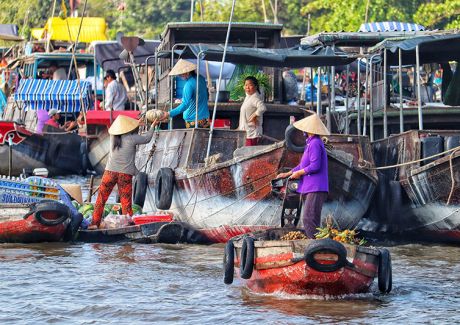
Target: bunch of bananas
pixel 293 235
pixel 346 236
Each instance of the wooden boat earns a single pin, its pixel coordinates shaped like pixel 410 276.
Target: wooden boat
pixel 153 232
pixel 233 194
pixel 418 199
pixel 322 267
pixel 45 221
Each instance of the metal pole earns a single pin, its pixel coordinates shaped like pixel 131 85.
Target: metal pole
pixel 318 93
pixel 347 121
pixel 312 85
pixel 219 80
pixel 419 98
pixel 332 87
pixel 385 117
pixel 401 114
pixel 366 80
pixel 192 7
pixel 197 88
pixel 95 77
pixel 156 79
pixel 358 95
pixel 371 104
pixel 147 77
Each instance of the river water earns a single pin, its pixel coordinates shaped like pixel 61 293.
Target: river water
pixel 141 284
pixel 60 283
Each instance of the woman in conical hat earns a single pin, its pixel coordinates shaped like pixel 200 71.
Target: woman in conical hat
pixel 120 167
pixel 312 172
pixel 186 70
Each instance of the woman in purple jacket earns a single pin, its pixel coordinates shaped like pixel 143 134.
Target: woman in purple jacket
pixel 312 172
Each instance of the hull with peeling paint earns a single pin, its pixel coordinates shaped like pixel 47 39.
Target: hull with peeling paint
pixel 280 267
pixel 233 194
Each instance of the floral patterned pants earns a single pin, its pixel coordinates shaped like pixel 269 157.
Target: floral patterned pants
pixel 125 190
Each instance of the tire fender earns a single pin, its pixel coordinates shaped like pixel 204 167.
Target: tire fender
pixel 288 135
pixel 164 186
pixel 140 189
pixel 50 206
pixel 84 158
pixel 229 262
pixel 385 274
pixel 326 246
pixel 247 258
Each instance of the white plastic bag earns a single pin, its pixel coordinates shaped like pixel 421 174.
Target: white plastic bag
pixel 117 221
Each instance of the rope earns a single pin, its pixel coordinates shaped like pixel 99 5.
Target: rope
pixel 452 179
pixel 367 165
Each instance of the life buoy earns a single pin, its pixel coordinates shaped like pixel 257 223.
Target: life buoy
pixel 247 258
pixel 288 137
pixel 229 262
pixel 326 246
pixel 140 189
pixel 385 276
pixel 164 186
pixel 60 209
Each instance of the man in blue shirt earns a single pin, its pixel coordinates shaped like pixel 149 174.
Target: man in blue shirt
pixel 186 70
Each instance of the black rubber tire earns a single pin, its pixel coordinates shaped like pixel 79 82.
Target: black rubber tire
pixel 383 208
pixel 164 186
pixel 140 189
pixel 288 134
pixel 229 262
pixel 327 246
pixel 84 158
pixel 72 228
pixel 247 258
pixel 385 274
pixel 51 206
pixel 395 201
pixel 52 153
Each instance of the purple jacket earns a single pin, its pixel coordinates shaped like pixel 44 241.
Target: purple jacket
pixel 314 163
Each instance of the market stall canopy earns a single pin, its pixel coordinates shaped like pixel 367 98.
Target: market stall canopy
pixel 390 26
pixel 299 57
pixel 432 49
pixel 108 52
pixel 92 29
pixel 64 95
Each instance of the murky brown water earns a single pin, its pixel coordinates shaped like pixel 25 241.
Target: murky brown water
pixel 142 284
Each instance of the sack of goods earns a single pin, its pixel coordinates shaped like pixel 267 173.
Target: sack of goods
pixel 155 114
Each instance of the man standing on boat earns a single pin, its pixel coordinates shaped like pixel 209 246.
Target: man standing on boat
pixel 115 93
pixel 312 172
pixel 57 73
pixel 186 70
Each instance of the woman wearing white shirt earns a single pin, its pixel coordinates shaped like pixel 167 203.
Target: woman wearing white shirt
pixel 252 111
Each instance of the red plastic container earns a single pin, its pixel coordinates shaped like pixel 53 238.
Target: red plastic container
pixel 139 220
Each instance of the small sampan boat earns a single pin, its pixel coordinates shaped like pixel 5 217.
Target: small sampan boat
pixel 323 267
pixel 45 221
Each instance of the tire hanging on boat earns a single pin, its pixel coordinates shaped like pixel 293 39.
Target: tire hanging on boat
pixel 326 246
pixel 84 158
pixel 385 274
pixel 140 188
pixel 164 186
pixel 60 209
pixel 229 262
pixel 288 135
pixel 247 258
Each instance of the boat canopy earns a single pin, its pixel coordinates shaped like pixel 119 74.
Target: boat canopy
pixel 64 95
pixel 9 32
pixel 432 49
pixel 92 29
pixel 299 57
pixel 107 53
pixel 390 26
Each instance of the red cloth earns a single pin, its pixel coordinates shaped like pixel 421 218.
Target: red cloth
pixel 125 190
pixel 252 142
pixel 52 123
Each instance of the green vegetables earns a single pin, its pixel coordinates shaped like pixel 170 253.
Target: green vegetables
pixel 87 209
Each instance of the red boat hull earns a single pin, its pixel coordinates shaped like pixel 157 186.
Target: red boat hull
pixel 29 230
pixel 299 279
pixel 224 233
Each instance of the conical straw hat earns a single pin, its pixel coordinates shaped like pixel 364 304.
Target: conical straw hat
pixel 313 125
pixel 123 124
pixel 74 190
pixel 182 66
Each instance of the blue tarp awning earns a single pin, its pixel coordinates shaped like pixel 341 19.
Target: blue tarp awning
pixel 65 95
pixel 390 26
